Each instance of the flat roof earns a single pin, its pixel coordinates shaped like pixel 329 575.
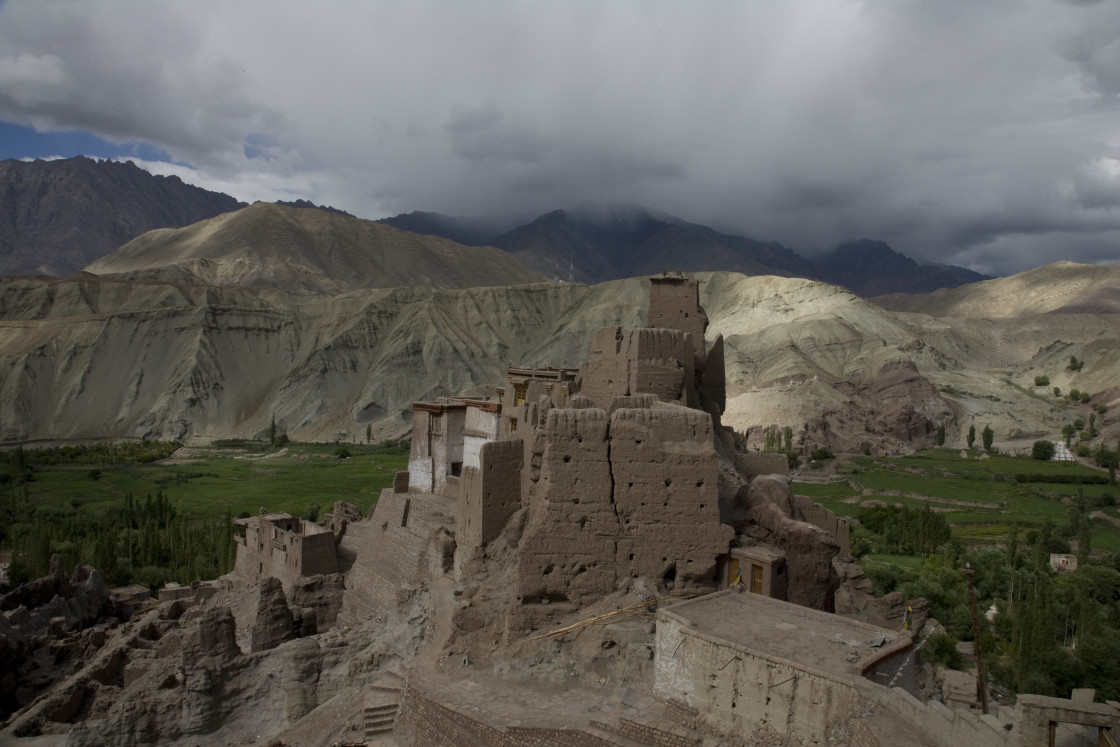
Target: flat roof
pixel 773 628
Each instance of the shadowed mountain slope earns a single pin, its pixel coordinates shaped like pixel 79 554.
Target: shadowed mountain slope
pixel 58 216
pixel 871 268
pixel 613 241
pixel 273 246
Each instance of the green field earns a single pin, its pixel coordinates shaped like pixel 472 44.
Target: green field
pixel 216 480
pixel 980 499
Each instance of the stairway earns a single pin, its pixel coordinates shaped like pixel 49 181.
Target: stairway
pixel 382 701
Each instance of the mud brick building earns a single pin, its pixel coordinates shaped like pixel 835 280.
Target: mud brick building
pixel 284 547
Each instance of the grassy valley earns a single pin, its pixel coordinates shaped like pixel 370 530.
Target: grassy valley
pixel 154 512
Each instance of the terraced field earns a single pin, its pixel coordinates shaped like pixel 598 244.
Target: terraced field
pixel 980 498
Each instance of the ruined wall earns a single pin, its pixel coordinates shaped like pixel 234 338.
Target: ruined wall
pixel 756 463
pixel 317 553
pixel 640 361
pixel 635 495
pixel 489 494
pixel 807 510
pixel 662 365
pixel 606 373
pixel 666 495
pixel 268 549
pixel 394 550
pixel 674 303
pixel 566 553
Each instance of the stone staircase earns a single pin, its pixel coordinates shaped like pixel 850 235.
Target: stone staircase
pixel 658 724
pixel 382 701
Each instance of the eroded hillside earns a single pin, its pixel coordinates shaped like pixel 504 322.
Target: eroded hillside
pixel 100 358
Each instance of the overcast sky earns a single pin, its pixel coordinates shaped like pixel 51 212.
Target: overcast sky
pixel 984 134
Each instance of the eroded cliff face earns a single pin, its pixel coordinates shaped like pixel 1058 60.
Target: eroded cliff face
pixel 93 358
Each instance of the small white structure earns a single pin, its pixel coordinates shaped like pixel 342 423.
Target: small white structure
pixel 1062 452
pixel 1062 563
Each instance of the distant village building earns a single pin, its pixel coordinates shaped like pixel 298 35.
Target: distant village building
pixel 1062 563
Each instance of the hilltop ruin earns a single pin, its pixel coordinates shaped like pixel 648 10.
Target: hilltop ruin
pixel 459 608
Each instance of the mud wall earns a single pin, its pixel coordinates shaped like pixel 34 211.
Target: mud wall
pixel 489 493
pixel 632 495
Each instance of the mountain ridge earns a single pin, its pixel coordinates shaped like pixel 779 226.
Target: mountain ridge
pixel 277 246
pixel 60 215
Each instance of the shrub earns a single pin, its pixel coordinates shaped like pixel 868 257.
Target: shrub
pixel 1074 395
pixel 821 454
pixel 941 648
pixel 1042 450
pixel 1057 391
pixel 342 452
pixel 1085 397
pixel 1042 380
pixel 1083 451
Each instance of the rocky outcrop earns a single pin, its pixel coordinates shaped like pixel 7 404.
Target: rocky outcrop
pixel 809 550
pixel 275 622
pixel 855 598
pixel 214 638
pixel 319 600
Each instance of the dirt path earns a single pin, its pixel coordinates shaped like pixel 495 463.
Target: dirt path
pixel 1106 517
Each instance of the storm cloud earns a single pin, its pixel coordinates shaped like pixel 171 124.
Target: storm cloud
pixel 979 134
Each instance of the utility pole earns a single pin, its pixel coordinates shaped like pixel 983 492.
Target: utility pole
pixel 981 690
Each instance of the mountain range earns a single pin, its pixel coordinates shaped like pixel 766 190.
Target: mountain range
pixel 332 324
pixel 596 243
pixel 58 217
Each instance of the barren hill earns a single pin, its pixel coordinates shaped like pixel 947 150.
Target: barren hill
pixel 58 216
pixel 274 246
pixel 1058 288
pixel 103 358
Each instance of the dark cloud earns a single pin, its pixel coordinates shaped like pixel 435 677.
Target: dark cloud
pixel 976 133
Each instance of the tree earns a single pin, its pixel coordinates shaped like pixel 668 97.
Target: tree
pixel 272 431
pixel 369 433
pixel 1043 450
pixel 1068 432
pixel 1074 364
pixel 787 437
pixel 941 435
pixel 1042 380
pixel 971 436
pixel 1057 391
pixel 988 436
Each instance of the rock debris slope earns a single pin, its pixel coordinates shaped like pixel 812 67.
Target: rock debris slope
pixel 107 358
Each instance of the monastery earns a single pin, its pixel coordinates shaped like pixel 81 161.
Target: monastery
pixel 616 477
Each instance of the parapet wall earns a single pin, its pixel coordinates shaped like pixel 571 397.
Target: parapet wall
pixel 627 362
pixel 763 463
pixel 807 510
pixel 740 688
